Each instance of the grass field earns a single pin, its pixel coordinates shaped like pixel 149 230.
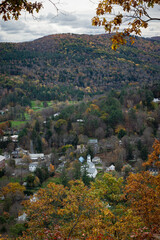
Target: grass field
pixel 17 124
pixel 55 180
pixel 38 105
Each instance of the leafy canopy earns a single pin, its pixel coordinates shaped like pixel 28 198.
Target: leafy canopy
pixel 12 8
pixel 131 14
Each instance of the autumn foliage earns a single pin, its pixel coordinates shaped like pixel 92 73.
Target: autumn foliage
pixel 12 9
pixel 154 157
pixel 79 212
pixel 134 14
pixel 12 188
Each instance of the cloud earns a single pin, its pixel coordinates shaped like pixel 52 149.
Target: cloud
pixel 76 21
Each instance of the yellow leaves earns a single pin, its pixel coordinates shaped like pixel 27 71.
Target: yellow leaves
pixel 104 116
pixel 92 107
pixel 108 188
pixel 74 206
pixel 119 128
pixel 96 21
pixel 12 188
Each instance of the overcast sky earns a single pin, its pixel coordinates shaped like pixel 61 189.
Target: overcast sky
pixel 75 17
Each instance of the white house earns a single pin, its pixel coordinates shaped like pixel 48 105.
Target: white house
pixel 80 120
pixel 2 162
pixel 22 218
pixel 156 100
pixel 96 160
pixel 14 138
pixel 33 166
pixel 110 168
pixel 37 156
pixel 34 198
pixel 56 114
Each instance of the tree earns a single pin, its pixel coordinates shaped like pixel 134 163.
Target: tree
pixel 12 9
pixel 131 11
pixel 154 157
pixel 142 193
pixel 75 210
pixel 109 188
pixel 13 191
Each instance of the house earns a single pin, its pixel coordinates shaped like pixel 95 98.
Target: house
pixel 81 148
pixel 80 120
pixel 93 143
pixel 111 168
pixel 15 154
pixel 14 138
pixel 91 169
pixel 34 198
pixel 33 166
pixel 2 112
pixel 2 162
pixel 4 138
pixel 81 159
pixel 36 156
pixel 56 114
pixel 19 152
pixel 156 100
pixel 153 171
pixel 18 161
pixel 62 159
pixel 22 218
pixel 96 160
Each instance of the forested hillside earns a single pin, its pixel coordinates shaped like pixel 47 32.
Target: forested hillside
pixel 79 139
pixel 82 60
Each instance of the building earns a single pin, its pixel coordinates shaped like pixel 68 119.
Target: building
pixel 96 160
pixel 81 148
pixel 2 162
pixel 37 156
pixel 110 168
pixel 14 138
pixel 33 166
pixel 81 159
pixel 93 143
pixel 91 169
pixel 156 100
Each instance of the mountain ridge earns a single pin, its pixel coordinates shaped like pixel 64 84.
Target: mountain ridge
pixel 82 60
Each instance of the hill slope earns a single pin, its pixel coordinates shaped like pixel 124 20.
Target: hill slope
pixel 82 60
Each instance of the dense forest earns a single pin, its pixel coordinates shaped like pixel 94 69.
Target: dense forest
pixel 82 60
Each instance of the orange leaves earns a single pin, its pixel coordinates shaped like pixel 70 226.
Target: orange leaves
pixel 131 9
pixel 143 191
pixel 51 168
pixel 154 157
pixel 79 212
pixel 74 209
pixel 4 125
pixel 12 9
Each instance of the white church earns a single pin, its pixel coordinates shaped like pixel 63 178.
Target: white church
pixel 91 169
